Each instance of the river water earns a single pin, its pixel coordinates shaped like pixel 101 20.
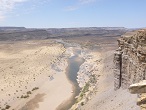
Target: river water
pixel 74 64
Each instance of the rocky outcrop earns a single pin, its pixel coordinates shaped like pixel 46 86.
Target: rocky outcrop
pixel 130 59
pixel 138 88
pixel 130 62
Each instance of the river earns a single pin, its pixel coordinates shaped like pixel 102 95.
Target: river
pixel 74 63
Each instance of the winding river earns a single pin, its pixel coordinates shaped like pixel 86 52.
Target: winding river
pixel 74 63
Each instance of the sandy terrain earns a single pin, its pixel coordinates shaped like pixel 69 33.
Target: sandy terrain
pixel 32 76
pixel 28 75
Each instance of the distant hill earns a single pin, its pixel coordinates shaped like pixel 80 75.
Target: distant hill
pixel 22 33
pixel 11 28
pixel 88 31
pixel 26 34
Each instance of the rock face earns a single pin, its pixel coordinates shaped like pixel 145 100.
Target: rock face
pixel 130 62
pixel 130 59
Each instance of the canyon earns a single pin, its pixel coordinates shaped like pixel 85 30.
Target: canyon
pixel 35 66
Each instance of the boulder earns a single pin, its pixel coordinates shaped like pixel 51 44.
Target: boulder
pixel 138 88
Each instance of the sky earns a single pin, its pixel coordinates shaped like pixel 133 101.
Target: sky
pixel 73 13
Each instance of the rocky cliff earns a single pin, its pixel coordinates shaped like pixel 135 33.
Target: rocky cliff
pixel 130 59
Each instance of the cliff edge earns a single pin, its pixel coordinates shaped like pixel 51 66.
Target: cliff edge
pixel 130 64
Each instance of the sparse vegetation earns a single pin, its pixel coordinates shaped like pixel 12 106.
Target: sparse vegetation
pixel 35 88
pixel 22 96
pixel 86 88
pixel 82 103
pixel 93 79
pixel 7 106
pixel 29 92
pixel 25 96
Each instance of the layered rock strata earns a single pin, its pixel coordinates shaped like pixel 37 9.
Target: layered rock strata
pixel 130 59
pixel 130 63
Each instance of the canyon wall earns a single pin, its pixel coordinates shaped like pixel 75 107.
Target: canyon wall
pixel 130 59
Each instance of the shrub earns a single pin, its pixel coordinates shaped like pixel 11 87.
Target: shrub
pixel 86 87
pixel 82 103
pixel 22 96
pixel 29 92
pixel 26 96
pixel 35 88
pixel 7 106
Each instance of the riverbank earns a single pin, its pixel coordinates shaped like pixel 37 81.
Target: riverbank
pixel 74 62
pixel 105 97
pixel 40 70
pixel 33 75
pixel 87 77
